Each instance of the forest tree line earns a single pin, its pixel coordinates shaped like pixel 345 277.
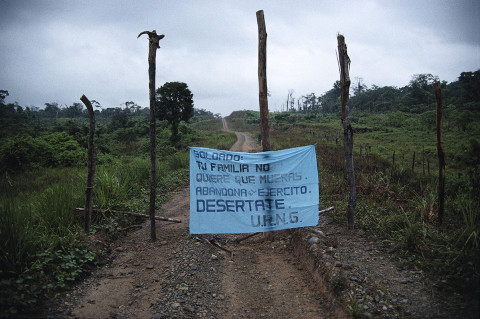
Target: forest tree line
pixel 29 138
pixel 417 97
pixel 56 136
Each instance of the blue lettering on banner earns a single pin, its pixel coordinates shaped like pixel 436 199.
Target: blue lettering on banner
pixel 233 192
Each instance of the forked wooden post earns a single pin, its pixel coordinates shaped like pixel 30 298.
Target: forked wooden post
pixel 91 161
pixel 441 155
pixel 153 40
pixel 262 81
pixel 344 62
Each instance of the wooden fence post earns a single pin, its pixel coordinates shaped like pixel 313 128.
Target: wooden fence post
pixel 262 81
pixel 91 161
pixel 153 39
pixel 413 162
pixel 441 155
pixel 344 64
pixel 262 89
pixel 423 160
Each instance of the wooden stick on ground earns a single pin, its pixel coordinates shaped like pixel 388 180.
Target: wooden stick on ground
pixel 326 210
pixel 246 237
pixel 214 243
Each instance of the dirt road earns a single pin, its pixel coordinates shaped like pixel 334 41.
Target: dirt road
pixel 185 276
pixel 296 276
pixel 244 142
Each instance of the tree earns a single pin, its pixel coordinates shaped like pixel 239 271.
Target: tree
pixel 419 95
pixel 310 103
pixel 290 101
pixel 74 110
pixel 3 95
pixel 51 110
pixel 359 87
pixel 174 103
pixel 330 100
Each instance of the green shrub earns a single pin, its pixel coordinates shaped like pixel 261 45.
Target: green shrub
pixel 55 213
pixel 21 153
pixel 178 161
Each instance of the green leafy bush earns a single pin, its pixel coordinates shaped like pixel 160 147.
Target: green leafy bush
pixel 22 152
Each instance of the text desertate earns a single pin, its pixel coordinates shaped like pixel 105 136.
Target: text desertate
pixel 238 205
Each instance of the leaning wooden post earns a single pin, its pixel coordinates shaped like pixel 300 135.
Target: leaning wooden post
pixel 344 62
pixel 262 81
pixel 441 155
pixel 91 161
pixel 153 40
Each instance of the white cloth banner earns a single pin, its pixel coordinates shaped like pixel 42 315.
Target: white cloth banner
pixel 234 192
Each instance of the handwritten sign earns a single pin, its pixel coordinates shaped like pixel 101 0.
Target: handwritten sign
pixel 233 192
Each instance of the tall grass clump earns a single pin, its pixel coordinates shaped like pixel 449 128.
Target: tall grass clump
pixel 55 214
pixel 39 238
pixel 108 187
pixel 179 160
pixel 470 234
pixel 17 235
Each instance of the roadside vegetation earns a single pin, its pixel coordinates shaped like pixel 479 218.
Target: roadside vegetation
pixel 43 179
pixel 397 199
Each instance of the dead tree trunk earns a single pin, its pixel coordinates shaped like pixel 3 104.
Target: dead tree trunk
pixel 262 81
pixel 344 62
pixel 91 161
pixel 153 40
pixel 441 155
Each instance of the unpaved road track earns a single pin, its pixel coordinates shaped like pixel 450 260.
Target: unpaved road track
pixel 184 276
pixel 244 141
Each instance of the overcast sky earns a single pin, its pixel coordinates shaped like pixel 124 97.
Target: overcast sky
pixel 55 51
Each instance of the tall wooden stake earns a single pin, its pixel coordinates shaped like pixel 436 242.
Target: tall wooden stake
pixel 262 81
pixel 344 62
pixel 441 155
pixel 91 161
pixel 153 40
pixel 413 162
pixel 262 90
